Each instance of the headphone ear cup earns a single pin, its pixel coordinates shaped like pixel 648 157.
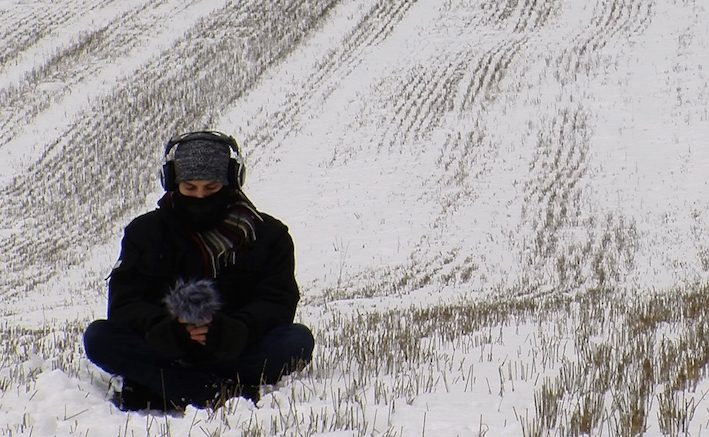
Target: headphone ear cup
pixel 237 169
pixel 236 174
pixel 241 174
pixel 167 176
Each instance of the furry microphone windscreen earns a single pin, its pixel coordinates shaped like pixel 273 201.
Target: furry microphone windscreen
pixel 193 302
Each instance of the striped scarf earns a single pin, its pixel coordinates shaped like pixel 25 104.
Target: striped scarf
pixel 219 245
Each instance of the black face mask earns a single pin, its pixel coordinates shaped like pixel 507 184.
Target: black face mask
pixel 202 213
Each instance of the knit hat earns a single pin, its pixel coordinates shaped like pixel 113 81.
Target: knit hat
pixel 202 160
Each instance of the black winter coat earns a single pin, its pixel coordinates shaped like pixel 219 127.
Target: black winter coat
pixel 259 290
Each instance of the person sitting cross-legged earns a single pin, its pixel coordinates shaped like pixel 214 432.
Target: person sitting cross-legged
pixel 201 302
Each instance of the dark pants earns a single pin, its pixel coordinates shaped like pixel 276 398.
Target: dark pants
pixel 120 351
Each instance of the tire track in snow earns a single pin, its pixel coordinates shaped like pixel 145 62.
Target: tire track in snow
pixel 553 195
pixel 499 15
pixel 570 247
pixel 430 91
pixel 421 100
pixel 534 15
pixel 373 28
pixel 428 94
pixel 461 85
pixel 467 156
pixel 80 171
pixel 465 145
pixel 613 21
pixel 498 12
pixel 518 15
pixel 89 158
pixel 566 249
pixel 430 84
pixel 24 26
pixel 486 76
pixel 69 69
pixel 483 74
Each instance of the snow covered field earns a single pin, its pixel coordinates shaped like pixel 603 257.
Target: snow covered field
pixel 500 207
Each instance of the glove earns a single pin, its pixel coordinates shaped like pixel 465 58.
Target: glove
pixel 227 338
pixel 169 338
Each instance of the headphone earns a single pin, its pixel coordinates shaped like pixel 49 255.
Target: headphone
pixel 236 174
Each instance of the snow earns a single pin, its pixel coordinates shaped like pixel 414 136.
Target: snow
pixel 424 155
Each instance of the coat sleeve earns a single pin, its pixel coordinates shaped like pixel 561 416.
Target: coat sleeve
pixel 275 293
pixel 135 289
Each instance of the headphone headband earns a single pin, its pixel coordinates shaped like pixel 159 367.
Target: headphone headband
pixel 202 135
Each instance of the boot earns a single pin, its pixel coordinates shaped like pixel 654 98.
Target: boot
pixel 136 397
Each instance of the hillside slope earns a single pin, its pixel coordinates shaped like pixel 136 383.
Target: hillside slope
pixel 497 146
pixel 423 153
